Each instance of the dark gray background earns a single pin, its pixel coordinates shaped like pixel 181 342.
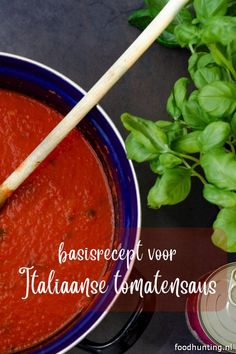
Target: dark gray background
pixel 81 39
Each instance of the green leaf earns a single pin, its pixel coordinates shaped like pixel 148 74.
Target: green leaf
pixel 206 60
pixel 171 188
pixel 219 53
pixel 194 116
pixel 187 143
pixel 203 69
pixel 224 235
pixel 164 124
pixel 147 130
pixel 175 131
pixel 155 6
pixel 232 8
pixel 172 108
pixel 187 34
pixel 141 18
pixel 180 92
pixel 199 60
pixel 205 76
pixel 233 125
pixel 219 30
pixel 194 95
pixel 210 8
pixel 168 160
pixel 168 37
pixel 214 135
pixel 157 167
pixel 164 162
pixel 218 98
pixel 192 62
pixel 220 197
pixel 231 52
pixel 137 151
pixel 178 97
pixel 220 168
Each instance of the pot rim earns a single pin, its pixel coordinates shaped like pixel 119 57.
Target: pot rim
pixel 121 141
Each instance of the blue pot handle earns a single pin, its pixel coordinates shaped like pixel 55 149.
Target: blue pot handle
pixel 130 333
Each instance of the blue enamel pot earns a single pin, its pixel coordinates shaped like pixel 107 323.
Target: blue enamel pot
pixel 45 84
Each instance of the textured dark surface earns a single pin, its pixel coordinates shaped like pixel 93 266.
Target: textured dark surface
pixel 81 39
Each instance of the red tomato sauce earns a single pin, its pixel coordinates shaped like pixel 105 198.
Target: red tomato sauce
pixel 67 199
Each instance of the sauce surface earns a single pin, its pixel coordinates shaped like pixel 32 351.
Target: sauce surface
pixel 67 199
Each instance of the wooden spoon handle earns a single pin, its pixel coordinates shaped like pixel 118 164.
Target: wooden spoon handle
pixel 117 70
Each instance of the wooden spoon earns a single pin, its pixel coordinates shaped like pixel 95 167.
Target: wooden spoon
pixel 117 70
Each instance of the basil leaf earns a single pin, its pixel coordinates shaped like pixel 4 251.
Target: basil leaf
pixel 168 37
pixel 205 76
pixel 164 124
pixel 231 52
pixel 146 130
pixel 232 8
pixel 208 8
pixel 169 161
pixel 172 108
pixel 195 116
pixel 218 98
pixel 141 18
pixel 199 60
pixel 220 168
pixel 173 130
pixel 187 34
pixel 203 69
pixel 224 235
pixel 180 92
pixel 157 167
pixel 187 143
pixel 178 97
pixel 204 122
pixel 219 30
pixel 194 95
pixel 193 61
pixel 171 188
pixel 214 135
pixel 206 60
pixel 233 125
pixel 219 54
pixel 164 162
pixel 220 197
pixel 137 151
